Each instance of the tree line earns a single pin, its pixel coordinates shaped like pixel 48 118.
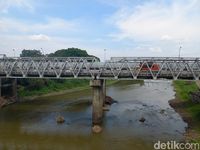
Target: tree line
pixel 70 52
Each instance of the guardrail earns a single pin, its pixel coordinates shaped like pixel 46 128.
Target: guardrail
pixel 90 68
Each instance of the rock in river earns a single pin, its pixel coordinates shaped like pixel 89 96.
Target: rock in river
pixel 96 129
pixel 109 100
pixel 60 119
pixel 142 119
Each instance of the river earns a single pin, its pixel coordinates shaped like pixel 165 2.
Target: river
pixel 32 125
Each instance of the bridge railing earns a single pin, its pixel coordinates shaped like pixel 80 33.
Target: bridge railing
pixel 153 68
pixel 45 66
pixel 129 59
pixel 120 68
pixel 61 59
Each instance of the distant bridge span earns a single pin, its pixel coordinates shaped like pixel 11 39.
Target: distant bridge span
pixel 122 68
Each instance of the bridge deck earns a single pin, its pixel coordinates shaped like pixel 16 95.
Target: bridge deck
pixel 90 68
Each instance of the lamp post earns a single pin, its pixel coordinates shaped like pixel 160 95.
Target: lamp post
pixel 179 53
pixel 104 55
pixel 42 51
pixel 14 52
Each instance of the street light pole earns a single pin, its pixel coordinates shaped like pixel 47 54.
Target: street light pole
pixel 14 52
pixel 104 55
pixel 179 54
pixel 42 51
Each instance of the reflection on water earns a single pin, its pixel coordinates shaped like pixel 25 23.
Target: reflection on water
pixel 32 125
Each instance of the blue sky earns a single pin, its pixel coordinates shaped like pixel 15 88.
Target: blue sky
pixel 122 27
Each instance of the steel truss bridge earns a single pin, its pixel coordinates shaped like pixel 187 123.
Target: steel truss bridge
pixel 90 68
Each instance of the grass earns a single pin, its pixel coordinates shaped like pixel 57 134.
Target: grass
pixel 53 86
pixel 183 89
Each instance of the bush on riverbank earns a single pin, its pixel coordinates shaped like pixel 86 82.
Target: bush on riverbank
pixel 49 86
pixel 58 85
pixel 187 109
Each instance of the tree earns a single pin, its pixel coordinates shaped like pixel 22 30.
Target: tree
pixel 71 52
pixel 31 53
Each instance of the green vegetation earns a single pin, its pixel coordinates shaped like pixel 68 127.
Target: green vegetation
pixel 71 52
pixel 37 87
pixel 42 86
pixel 31 53
pixel 189 109
pixel 183 88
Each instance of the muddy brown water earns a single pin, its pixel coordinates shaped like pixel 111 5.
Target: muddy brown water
pixel 32 125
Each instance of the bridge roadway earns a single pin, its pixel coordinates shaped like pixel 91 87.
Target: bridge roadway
pixel 122 68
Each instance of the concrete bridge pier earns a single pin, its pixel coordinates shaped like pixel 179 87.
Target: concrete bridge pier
pixel 104 91
pixel 98 100
pixel 14 89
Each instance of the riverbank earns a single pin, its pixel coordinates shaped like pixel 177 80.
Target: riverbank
pixel 65 88
pixel 49 86
pixel 4 101
pixel 189 111
pixel 59 89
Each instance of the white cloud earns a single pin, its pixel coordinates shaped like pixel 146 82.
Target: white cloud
pixel 153 20
pixel 117 3
pixel 5 5
pixel 20 42
pixel 166 37
pixel 155 49
pixel 40 37
pixel 161 24
pixel 50 26
pixel 51 34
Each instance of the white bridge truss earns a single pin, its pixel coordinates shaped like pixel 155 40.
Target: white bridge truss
pixel 90 68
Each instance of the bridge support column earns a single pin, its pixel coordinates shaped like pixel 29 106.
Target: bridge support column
pixel 104 91
pixel 98 101
pixel 14 89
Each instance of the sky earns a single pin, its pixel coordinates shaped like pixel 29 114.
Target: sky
pixel 128 28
